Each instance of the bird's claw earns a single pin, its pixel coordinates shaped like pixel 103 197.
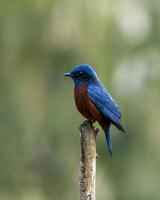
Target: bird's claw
pixel 92 121
pixel 85 123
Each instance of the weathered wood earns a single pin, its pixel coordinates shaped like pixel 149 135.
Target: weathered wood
pixel 87 161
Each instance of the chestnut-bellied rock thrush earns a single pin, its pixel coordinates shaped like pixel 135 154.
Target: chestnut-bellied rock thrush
pixel 93 100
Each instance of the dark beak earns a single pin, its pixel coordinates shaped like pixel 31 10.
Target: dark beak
pixel 68 74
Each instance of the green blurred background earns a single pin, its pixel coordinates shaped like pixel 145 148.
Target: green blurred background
pixel 39 137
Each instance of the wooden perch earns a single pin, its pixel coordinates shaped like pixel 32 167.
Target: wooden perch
pixel 87 161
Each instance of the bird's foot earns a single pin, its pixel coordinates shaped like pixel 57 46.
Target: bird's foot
pixel 86 122
pixel 92 121
pixel 89 122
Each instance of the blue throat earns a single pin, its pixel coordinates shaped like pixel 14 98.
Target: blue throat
pixel 79 81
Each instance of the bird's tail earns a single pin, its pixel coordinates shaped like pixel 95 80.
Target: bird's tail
pixel 109 140
pixel 106 127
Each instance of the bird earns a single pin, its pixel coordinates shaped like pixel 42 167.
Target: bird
pixel 94 101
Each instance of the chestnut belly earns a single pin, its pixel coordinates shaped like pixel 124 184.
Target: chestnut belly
pixel 84 104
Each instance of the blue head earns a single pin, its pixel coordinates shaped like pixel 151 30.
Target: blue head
pixel 82 74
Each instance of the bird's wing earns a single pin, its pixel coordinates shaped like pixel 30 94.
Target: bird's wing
pixel 104 102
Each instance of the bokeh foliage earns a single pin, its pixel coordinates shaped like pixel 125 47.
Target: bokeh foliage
pixel 39 138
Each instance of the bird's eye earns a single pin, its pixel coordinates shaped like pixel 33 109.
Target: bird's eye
pixel 81 73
